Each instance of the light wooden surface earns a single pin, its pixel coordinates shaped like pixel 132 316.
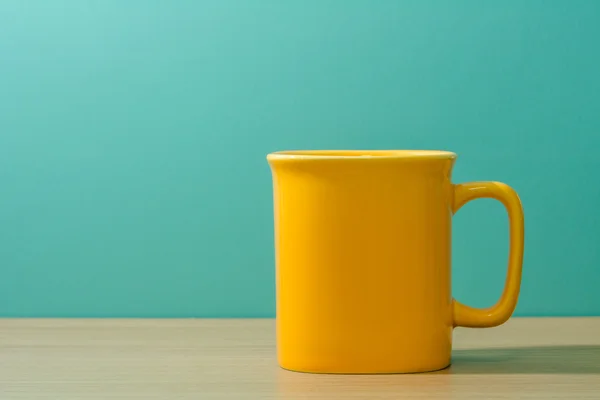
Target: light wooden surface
pixel 235 359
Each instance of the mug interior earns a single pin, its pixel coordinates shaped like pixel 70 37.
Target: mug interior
pixel 316 154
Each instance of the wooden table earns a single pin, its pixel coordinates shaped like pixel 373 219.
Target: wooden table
pixel 235 359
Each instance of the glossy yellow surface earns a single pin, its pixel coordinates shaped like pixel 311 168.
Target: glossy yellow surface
pixel 363 249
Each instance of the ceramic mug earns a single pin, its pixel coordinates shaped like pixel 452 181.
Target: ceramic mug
pixel 363 244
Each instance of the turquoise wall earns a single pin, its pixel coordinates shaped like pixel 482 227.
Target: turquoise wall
pixel 133 134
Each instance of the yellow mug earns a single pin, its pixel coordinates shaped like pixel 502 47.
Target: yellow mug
pixel 363 244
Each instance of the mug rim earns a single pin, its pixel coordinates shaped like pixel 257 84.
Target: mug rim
pixel 360 154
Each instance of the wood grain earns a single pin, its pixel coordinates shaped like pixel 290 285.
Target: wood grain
pixel 546 358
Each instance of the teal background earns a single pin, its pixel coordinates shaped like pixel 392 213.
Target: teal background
pixel 133 134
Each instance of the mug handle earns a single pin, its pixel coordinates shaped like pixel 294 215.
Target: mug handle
pixel 498 314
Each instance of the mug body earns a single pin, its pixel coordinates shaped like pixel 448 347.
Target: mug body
pixel 363 249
